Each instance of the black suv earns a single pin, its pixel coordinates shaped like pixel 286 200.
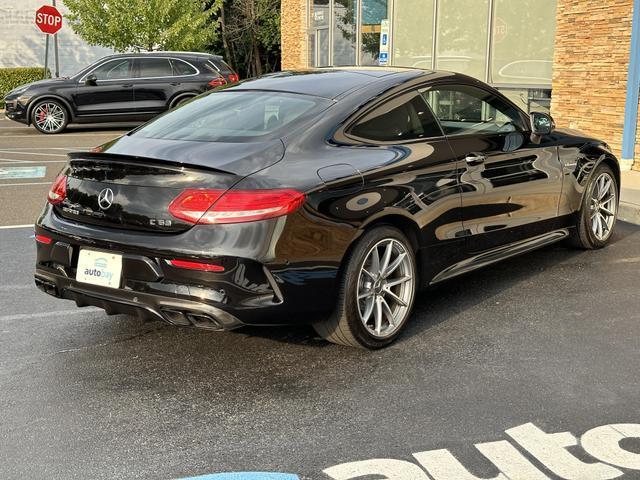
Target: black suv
pixel 118 88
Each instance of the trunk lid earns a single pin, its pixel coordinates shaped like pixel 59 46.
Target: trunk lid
pixel 130 182
pixel 120 192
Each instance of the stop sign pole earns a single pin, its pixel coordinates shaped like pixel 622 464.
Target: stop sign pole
pixel 49 21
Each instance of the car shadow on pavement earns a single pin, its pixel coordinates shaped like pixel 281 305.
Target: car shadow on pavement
pixel 435 305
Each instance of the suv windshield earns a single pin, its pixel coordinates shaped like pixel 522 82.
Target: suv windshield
pixel 233 116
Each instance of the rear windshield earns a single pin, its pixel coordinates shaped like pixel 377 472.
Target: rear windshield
pixel 233 116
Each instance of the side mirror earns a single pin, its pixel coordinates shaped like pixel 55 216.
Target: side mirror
pixel 91 80
pixel 541 123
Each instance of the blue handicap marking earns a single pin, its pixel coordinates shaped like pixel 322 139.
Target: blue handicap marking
pixel 246 476
pixel 384 39
pixel 22 172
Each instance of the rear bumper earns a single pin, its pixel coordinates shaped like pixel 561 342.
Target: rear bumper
pixel 255 288
pixel 145 305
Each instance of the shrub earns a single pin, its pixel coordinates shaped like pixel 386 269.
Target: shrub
pixel 11 78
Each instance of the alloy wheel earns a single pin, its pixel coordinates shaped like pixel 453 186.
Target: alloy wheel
pixel 603 206
pixel 385 288
pixel 49 117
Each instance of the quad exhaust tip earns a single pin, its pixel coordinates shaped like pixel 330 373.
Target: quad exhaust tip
pixel 191 319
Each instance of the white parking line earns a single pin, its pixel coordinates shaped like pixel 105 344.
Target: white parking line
pixel 23 184
pixel 18 149
pixel 12 160
pixel 34 153
pixel 7 227
pixel 15 160
pixel 67 135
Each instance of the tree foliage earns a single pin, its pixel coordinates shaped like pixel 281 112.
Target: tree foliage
pixel 250 35
pixel 245 32
pixel 126 25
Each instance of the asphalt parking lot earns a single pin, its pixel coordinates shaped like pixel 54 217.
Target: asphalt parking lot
pixel 548 341
pixel 30 161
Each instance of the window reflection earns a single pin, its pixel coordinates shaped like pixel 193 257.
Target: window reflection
pixel 413 33
pixel 344 32
pixel 462 36
pixel 523 37
pixel 373 12
pixel 319 36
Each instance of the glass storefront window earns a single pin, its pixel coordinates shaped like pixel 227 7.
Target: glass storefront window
pixel 413 33
pixel 372 12
pixel 529 99
pixel 344 32
pixel 523 36
pixel 462 36
pixel 319 33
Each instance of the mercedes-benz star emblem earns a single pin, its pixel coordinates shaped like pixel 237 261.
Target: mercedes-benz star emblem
pixel 105 198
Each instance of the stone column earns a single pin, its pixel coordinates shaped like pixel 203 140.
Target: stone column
pixel 294 34
pixel 590 66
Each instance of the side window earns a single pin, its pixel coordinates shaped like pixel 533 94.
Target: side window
pixel 114 69
pixel 466 110
pixel 155 67
pixel 406 117
pixel 182 68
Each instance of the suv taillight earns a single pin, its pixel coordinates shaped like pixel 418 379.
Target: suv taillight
pixel 206 207
pixel 58 191
pixel 217 82
pixel 233 78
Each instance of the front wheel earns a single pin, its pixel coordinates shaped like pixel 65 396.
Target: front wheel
pixel 599 210
pixel 49 116
pixel 377 291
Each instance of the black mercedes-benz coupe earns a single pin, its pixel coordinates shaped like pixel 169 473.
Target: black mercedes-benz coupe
pixel 327 197
pixel 131 87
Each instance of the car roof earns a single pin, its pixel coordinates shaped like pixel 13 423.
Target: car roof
pixel 201 55
pixel 328 83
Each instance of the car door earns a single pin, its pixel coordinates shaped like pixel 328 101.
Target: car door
pixel 156 84
pixel 408 168
pixel 106 90
pixel 510 180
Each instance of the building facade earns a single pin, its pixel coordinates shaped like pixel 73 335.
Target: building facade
pixel 572 57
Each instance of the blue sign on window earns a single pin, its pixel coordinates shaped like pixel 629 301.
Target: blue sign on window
pixel 383 59
pixel 384 39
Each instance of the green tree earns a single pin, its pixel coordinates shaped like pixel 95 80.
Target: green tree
pixel 251 35
pixel 146 24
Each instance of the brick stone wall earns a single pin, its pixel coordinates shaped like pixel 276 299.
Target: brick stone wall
pixel 294 34
pixel 590 67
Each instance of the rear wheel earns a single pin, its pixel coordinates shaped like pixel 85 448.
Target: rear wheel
pixel 377 291
pixel 49 116
pixel 597 216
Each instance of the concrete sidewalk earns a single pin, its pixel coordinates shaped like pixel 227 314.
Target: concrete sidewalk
pixel 630 197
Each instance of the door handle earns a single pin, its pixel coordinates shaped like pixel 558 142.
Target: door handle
pixel 128 85
pixel 475 158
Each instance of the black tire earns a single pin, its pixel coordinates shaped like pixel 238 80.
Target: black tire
pixel 345 326
pixel 583 235
pixel 49 116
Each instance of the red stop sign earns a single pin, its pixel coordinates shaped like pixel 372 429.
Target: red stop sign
pixel 48 19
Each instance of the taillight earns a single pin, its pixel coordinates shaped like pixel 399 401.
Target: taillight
pixel 217 82
pixel 190 265
pixel 43 239
pixel 207 207
pixel 233 77
pixel 58 191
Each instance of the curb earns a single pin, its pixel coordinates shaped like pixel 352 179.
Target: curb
pixel 629 212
